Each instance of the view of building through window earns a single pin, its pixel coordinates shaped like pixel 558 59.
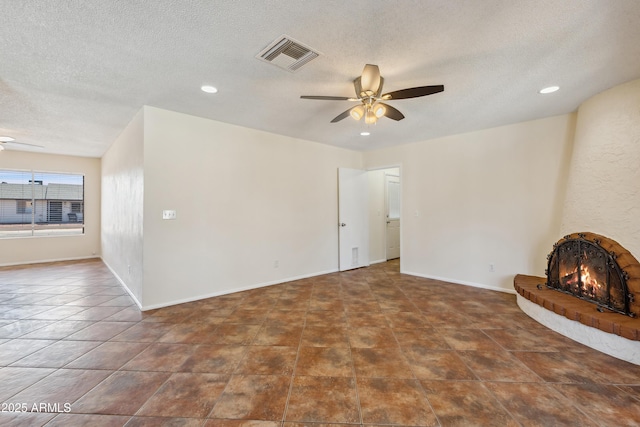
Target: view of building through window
pixel 40 204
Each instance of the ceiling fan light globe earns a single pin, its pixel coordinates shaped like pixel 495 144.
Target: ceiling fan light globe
pixel 379 110
pixel 357 112
pixel 370 118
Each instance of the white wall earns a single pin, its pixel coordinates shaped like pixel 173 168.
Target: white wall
pixel 122 206
pixel 487 197
pixel 603 192
pixel 56 248
pixel 244 199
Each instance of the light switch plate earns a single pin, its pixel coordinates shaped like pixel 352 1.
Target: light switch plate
pixel 168 214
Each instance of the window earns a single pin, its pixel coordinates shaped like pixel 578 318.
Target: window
pixel 24 206
pixel 76 207
pixel 41 204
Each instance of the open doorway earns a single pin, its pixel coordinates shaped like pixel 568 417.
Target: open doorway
pixel 384 214
pixel 369 216
pixel 392 208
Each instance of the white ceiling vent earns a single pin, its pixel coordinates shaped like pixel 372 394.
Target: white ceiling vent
pixel 287 53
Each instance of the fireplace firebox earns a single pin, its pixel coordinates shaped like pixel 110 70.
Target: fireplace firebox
pixel 583 268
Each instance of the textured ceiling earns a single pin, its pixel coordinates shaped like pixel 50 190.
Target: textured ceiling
pixel 73 73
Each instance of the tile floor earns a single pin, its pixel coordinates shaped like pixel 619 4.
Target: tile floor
pixel 367 347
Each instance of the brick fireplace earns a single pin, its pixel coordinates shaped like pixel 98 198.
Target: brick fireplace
pixel 594 281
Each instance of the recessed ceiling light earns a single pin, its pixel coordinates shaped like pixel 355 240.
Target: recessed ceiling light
pixel 365 133
pixel 209 89
pixel 549 89
pixel 6 139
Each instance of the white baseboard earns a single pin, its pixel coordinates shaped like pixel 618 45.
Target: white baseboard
pixel 44 261
pixel 461 282
pixel 234 290
pixel 122 282
pixel 378 261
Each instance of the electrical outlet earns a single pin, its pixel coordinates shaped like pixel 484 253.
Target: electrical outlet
pixel 169 214
pixel 276 264
pixel 492 268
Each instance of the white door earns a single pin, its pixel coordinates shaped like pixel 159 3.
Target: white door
pixel 392 199
pixel 353 218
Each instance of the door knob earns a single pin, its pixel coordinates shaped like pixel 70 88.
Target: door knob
pixel 343 224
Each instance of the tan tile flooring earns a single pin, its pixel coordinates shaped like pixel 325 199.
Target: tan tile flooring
pixel 367 347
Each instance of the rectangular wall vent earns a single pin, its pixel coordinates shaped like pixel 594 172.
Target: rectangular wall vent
pixel 287 53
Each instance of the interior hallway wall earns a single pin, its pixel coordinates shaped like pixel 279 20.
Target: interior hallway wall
pixel 377 252
pixel 122 206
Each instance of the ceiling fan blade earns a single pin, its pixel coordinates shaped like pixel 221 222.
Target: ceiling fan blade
pixel 341 116
pixel 413 92
pixel 357 85
pixel 370 79
pixel 22 143
pixel 328 98
pixel 392 113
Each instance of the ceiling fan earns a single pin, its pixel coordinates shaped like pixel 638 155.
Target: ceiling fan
pixel 10 141
pixel 368 91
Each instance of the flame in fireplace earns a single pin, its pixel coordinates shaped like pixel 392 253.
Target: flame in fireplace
pixel 588 281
